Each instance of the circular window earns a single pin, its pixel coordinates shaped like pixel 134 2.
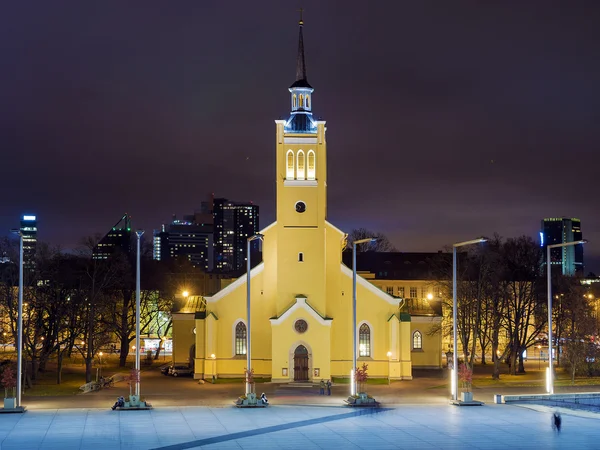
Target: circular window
pixel 300 326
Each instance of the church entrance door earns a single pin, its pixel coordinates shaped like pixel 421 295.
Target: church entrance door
pixel 301 363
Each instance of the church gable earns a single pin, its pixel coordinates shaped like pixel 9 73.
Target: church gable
pixel 241 281
pixel 301 304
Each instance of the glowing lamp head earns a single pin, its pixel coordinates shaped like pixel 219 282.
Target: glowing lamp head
pixel 185 293
pixel 430 296
pixel 213 356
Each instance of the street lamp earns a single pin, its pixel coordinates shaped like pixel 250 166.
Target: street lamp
pixel 213 357
pixel 549 375
pixel 20 321
pixel 139 234
pixel 354 244
pixel 248 341
pixel 539 347
pixel 389 355
pixel 100 358
pixel 454 381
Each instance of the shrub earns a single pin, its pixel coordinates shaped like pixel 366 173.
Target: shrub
pixel 9 380
pixel 361 376
pixel 465 375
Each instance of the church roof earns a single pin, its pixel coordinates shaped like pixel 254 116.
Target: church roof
pixel 300 122
pixel 399 265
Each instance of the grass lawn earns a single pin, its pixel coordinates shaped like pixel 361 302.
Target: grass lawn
pixel 533 377
pixel 73 374
pixel 238 380
pixel 342 380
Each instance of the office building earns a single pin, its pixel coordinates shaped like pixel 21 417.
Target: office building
pixel 187 239
pixel 29 231
pixel 233 223
pixel 117 239
pixel 560 230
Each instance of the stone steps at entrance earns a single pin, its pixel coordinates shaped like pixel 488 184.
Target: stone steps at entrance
pixel 301 384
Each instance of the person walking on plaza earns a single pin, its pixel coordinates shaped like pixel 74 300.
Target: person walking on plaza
pixel 322 388
pixel 328 387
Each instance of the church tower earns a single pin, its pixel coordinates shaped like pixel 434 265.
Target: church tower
pixel 301 192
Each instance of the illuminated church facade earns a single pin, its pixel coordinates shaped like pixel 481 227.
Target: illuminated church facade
pixel 301 294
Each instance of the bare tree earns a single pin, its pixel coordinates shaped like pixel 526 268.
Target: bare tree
pixel 382 244
pixel 522 288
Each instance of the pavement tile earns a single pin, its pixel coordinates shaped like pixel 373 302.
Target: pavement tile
pixel 300 427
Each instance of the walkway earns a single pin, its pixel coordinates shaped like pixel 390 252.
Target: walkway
pixel 299 427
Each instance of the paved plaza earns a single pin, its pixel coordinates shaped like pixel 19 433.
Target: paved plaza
pixel 300 427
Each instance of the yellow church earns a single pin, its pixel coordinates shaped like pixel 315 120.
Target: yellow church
pixel 301 293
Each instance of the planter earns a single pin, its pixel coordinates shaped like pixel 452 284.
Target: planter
pixel 10 403
pixel 467 396
pixel 250 401
pixel 361 399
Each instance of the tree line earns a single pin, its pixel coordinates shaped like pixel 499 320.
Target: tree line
pixel 74 304
pixel 502 307
pixel 502 304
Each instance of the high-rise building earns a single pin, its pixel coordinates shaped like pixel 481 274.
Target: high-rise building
pixel 558 230
pixel 185 238
pixel 29 231
pixel 118 238
pixel 234 222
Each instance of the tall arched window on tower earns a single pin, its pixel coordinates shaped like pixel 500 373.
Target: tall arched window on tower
pixel 301 105
pixel 311 165
pixel 289 174
pixel 240 338
pixel 364 340
pixel 307 101
pixel 294 101
pixel 300 171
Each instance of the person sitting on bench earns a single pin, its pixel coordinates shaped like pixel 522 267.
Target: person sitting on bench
pixel 119 403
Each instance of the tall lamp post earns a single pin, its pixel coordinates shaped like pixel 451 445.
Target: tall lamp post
pixel 454 381
pixel 20 321
pixel 549 375
pixel 213 357
pixel 354 244
pixel 248 341
pixel 139 234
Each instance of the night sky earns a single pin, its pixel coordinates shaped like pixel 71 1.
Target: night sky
pixel 446 120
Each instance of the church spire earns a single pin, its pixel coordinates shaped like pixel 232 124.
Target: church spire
pixel 301 120
pixel 301 80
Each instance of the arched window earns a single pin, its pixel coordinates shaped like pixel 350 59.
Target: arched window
pixel 311 165
pixel 294 102
pixel 307 101
pixel 301 101
pixel 300 171
pixel 364 340
pixel 300 257
pixel 240 338
pixel 290 165
pixel 417 340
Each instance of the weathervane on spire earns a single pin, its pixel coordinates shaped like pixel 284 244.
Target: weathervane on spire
pixel 301 22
